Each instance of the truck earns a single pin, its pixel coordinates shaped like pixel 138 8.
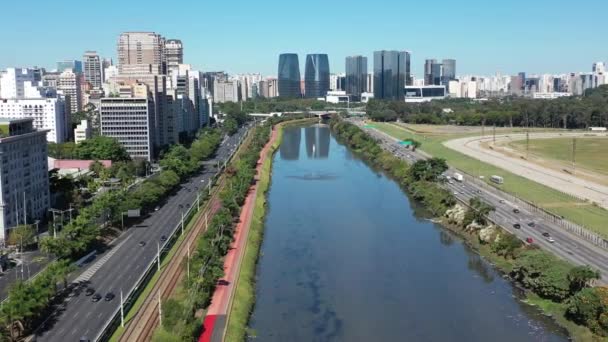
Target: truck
pixel 458 177
pixel 497 179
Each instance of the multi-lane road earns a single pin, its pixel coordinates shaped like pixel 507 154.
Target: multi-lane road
pixel 121 267
pixel 566 245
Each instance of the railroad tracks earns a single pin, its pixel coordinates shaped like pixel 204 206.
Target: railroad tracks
pixel 141 326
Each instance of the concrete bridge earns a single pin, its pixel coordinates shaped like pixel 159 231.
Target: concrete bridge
pixel 320 114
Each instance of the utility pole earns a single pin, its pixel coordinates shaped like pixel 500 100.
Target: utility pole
pixel 122 312
pixel 527 144
pixel 188 263
pixel 182 221
pixel 494 134
pixel 24 210
pixel 160 311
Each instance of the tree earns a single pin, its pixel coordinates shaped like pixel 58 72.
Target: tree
pixel 581 277
pixel 230 126
pixel 22 236
pixel 589 307
pixel 103 148
pixel 477 212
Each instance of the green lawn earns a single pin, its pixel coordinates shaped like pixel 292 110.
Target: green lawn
pixel 591 153
pixel 574 210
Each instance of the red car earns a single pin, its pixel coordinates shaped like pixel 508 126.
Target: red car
pixel 529 240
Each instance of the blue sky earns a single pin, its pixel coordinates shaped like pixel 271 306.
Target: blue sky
pixel 484 36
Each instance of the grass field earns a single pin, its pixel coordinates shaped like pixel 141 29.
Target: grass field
pixel 572 209
pixel 591 153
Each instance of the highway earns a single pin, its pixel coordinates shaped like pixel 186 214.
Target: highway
pixel 125 263
pixel 566 246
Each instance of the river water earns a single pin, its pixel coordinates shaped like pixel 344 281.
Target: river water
pixel 348 257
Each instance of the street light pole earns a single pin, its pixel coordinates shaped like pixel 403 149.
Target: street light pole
pixel 122 313
pixel 158 255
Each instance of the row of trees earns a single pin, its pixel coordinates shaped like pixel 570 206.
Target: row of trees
pixel 96 148
pixel 566 112
pixel 421 179
pixel 79 235
pixel 206 263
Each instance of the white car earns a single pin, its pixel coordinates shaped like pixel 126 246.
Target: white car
pixel 551 240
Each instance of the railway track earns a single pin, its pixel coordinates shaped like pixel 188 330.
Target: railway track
pixel 141 326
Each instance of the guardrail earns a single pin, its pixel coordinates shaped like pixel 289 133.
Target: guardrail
pixel 114 321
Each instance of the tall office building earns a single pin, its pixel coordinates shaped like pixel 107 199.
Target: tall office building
pixel 24 178
pixel 316 75
pixel 130 120
pixel 428 71
pixel 141 52
pixel 174 54
pixel 391 74
pixel 289 75
pixel 69 85
pixel 13 82
pixel 74 65
pixel 92 69
pixel 356 76
pixel 448 72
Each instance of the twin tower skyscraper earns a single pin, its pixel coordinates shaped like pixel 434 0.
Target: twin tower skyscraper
pixel 316 75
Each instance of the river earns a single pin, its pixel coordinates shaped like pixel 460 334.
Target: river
pixel 348 257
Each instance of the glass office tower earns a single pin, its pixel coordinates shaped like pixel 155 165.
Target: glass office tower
pixel 289 75
pixel 356 76
pixel 449 71
pixel 316 75
pixel 391 74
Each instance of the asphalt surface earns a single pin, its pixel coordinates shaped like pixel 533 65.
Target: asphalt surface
pixel 78 316
pixel 566 246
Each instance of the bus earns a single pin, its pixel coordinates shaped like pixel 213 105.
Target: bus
pixel 497 179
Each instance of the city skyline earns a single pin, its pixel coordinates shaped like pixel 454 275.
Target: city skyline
pixel 485 39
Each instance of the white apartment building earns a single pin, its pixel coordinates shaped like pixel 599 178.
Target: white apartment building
pixel 226 91
pixel 24 180
pixel 82 131
pixel 69 85
pixel 130 120
pixel 48 114
pixel 13 80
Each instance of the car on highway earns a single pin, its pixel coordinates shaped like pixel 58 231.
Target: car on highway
pixel 545 234
pixel 517 226
pixel 529 240
pixel 502 201
pixel 531 224
pixel 157 208
pixel 142 243
pixel 551 240
pixel 89 292
pixel 163 238
pixel 515 210
pixel 455 193
pixel 96 298
pixel 109 296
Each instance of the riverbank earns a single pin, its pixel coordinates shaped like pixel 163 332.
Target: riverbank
pixel 552 280
pixel 244 296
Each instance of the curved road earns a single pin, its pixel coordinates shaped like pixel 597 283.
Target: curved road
pixel 561 181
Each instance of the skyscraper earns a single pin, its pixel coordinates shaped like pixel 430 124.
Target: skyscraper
pixel 356 75
pixel 449 71
pixel 141 52
pixel 316 75
pixel 428 71
pixel 174 54
pixel 92 69
pixel 289 75
pixel 76 66
pixel 391 74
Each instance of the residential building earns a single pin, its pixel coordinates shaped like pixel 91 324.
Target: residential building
pixel 92 69
pixel 391 74
pixel 13 82
pixel 24 180
pixel 268 88
pixel 174 54
pixel 141 53
pixel 82 131
pixel 316 75
pixel 48 114
pixel 74 65
pixel 130 120
pixel 209 79
pixel 226 91
pixel 289 75
pixel 356 76
pixel 69 84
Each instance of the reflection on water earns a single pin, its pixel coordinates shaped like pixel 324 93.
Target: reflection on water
pixel 290 146
pixel 347 257
pixel 317 141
